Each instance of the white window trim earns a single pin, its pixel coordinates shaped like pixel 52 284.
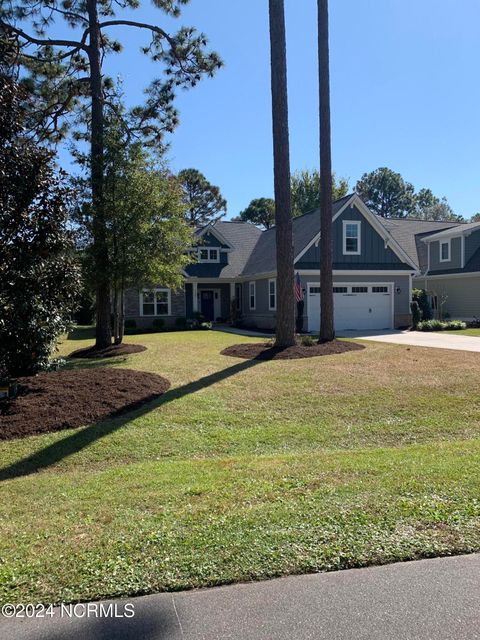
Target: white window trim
pixel 254 295
pixel 200 249
pixel 274 308
pixel 156 315
pixel 358 224
pixel 449 244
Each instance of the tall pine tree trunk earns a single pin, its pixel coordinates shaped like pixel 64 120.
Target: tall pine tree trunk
pixel 327 331
pixel 100 248
pixel 285 330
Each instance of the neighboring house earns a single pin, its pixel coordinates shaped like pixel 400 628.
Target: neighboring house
pixel 447 256
pixel 236 264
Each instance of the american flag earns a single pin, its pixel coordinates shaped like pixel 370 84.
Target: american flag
pixel 298 289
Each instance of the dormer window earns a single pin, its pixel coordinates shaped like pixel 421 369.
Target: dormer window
pixel 445 251
pixel 351 237
pixel 208 255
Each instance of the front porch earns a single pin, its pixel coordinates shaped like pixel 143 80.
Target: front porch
pixel 210 299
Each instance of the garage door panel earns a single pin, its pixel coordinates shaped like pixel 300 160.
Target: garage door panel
pixel 359 306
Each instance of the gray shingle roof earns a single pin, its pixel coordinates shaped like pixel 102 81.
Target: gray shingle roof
pixel 409 233
pixel 243 236
pixel 305 228
pixel 462 228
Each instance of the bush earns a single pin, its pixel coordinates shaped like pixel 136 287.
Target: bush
pixel 181 323
pixel 39 275
pixel 438 325
pixel 307 341
pixel 420 296
pixel 416 313
pixel 158 324
pixel 455 325
pixel 206 325
pixel 130 323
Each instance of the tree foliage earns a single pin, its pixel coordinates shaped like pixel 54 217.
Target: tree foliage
pixel 147 235
pixel 306 190
pixel 305 186
pixel 65 77
pixel 260 211
pixel 39 277
pixel 386 193
pixel 203 201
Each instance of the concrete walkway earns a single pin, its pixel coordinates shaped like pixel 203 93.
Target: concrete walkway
pixel 435 599
pixel 437 340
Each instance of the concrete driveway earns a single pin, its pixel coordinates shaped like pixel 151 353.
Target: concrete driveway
pixel 425 600
pixel 439 340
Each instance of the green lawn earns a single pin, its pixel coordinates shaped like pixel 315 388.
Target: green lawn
pixel 247 470
pixel 467 332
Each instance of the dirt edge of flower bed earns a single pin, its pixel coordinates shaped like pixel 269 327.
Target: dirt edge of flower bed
pixel 72 398
pixel 265 351
pixel 109 352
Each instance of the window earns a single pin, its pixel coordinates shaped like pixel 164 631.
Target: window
pixel 340 289
pixel 351 237
pixel 155 302
pixel 208 255
pixel 314 290
pixel 272 295
pixel 379 289
pixel 251 295
pixel 238 297
pixel 359 289
pixel 445 251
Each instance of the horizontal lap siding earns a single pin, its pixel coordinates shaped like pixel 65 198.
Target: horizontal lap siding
pixel 132 308
pixel 261 317
pixel 463 294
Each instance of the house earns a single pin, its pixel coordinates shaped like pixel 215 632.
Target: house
pixel 236 264
pixel 447 257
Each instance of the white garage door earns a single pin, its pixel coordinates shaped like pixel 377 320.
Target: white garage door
pixel 359 306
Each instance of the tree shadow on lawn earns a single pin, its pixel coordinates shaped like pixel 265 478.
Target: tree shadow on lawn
pixel 84 437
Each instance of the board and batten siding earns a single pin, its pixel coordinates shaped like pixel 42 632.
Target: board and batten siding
pixel 372 246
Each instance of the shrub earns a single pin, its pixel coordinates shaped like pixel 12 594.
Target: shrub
pixel 307 341
pixel 431 325
pixel 130 323
pixel 420 296
pixel 438 325
pixel 455 325
pixel 39 275
pixel 158 324
pixel 181 323
pixel 206 325
pixel 416 313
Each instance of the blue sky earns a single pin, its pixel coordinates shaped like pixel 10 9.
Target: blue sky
pixel 405 92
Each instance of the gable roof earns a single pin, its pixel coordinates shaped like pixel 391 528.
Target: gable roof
pixel 241 236
pixel 409 234
pixel 304 228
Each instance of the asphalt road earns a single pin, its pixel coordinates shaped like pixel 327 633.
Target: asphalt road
pixel 436 599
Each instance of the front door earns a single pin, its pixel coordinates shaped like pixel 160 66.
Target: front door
pixel 207 305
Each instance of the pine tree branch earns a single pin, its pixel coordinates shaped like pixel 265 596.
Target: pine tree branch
pixel 140 25
pixel 76 45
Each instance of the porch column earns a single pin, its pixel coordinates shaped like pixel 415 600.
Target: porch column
pixel 194 297
pixel 232 291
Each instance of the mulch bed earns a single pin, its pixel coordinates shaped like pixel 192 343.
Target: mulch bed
pixel 265 351
pixel 75 398
pixel 108 352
